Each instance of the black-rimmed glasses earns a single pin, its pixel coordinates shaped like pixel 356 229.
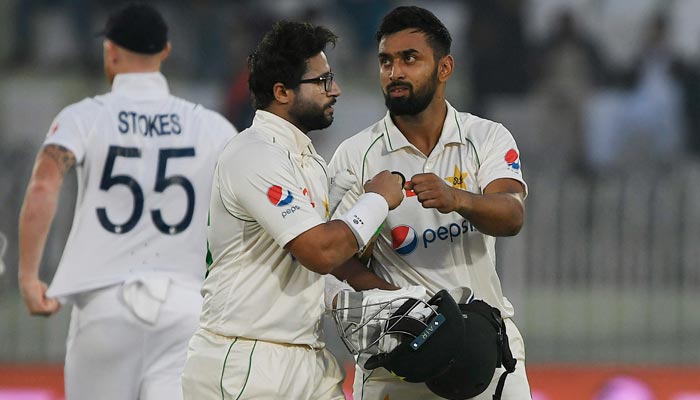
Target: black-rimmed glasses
pixel 327 80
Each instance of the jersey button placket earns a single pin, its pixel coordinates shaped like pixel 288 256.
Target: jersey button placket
pixel 428 167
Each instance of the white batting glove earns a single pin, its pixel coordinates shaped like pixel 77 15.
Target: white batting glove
pixel 333 287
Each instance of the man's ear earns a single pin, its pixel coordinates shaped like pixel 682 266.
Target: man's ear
pixel 445 66
pixel 110 50
pixel 282 94
pixel 165 52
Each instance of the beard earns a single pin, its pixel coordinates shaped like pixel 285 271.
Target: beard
pixel 415 102
pixel 310 116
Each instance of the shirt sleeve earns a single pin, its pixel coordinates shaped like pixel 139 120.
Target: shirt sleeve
pixel 263 185
pixel 67 131
pixel 500 158
pixel 343 163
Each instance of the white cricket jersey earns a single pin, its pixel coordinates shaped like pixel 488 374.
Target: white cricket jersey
pixel 420 246
pixel 145 161
pixel 269 186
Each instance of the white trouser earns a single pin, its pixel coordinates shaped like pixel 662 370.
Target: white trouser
pixel 220 367
pixel 381 385
pixel 112 354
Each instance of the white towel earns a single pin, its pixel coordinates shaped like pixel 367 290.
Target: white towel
pixel 145 295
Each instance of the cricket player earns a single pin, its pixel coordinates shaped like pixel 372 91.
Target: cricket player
pixel 270 245
pixel 134 261
pixel 464 188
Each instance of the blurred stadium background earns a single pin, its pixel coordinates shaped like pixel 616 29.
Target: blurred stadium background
pixel 603 97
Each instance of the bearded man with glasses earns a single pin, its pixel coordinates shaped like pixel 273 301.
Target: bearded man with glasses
pixel 270 243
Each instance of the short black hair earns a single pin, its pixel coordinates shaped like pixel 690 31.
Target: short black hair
pixel 422 20
pixel 281 57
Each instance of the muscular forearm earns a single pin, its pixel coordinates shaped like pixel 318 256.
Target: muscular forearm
pixel 495 214
pixel 499 211
pixel 35 219
pixel 328 245
pixel 324 247
pixel 39 206
pixel 360 277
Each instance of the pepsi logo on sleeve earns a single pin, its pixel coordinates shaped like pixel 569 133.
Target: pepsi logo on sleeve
pixel 513 159
pixel 279 196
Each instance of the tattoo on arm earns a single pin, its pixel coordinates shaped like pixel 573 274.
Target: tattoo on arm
pixel 64 158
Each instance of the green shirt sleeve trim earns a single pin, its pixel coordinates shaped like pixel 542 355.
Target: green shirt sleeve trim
pixel 464 139
pixel 364 158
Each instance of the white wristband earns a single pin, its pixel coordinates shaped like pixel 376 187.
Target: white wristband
pixel 333 287
pixel 366 216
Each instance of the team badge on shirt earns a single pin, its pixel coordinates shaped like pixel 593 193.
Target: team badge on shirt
pixel 457 179
pixel 53 129
pixel 278 197
pixel 513 159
